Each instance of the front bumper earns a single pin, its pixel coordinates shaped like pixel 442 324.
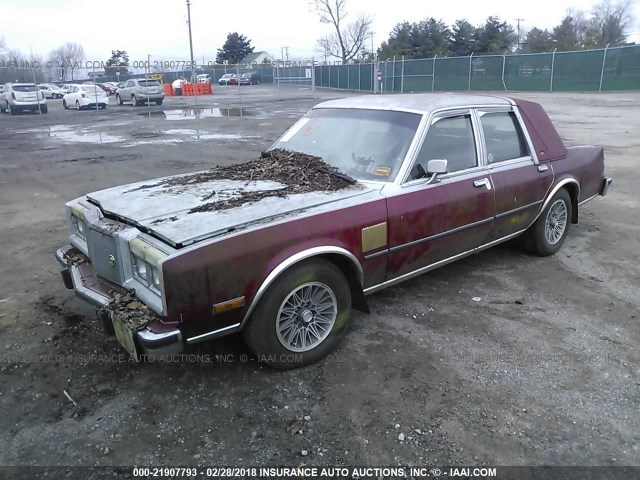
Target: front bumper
pixel 154 341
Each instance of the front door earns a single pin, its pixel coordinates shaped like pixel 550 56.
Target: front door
pixel 430 223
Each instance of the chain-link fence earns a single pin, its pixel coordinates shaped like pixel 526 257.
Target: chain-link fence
pixel 590 70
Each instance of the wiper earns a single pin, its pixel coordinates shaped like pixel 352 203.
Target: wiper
pixel 341 175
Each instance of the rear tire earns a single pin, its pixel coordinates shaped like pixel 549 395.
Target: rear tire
pixel 77 105
pixel 2 109
pixel 548 233
pixel 44 109
pixel 301 317
pixel 158 102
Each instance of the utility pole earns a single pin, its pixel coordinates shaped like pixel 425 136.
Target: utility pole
pixel 519 37
pixel 193 74
pixel 284 51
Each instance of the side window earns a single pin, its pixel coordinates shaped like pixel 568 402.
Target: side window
pixel 451 139
pixel 129 84
pixel 503 136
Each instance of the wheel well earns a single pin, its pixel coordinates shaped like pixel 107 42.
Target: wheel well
pixel 351 273
pixel 572 188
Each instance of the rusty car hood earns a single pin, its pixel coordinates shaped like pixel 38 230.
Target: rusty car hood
pixel 171 212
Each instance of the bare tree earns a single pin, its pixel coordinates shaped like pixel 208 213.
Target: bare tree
pixel 348 40
pixel 58 63
pixel 74 56
pixel 610 22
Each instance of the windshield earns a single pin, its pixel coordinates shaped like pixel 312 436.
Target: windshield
pixel 364 144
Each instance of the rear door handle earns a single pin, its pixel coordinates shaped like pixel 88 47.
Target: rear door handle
pixel 482 182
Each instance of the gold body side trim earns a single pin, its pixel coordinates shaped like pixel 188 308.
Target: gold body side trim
pixel 374 237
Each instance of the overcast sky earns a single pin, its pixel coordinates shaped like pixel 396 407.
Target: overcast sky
pixel 159 27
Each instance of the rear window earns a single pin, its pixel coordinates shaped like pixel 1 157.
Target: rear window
pixel 25 88
pixel 148 83
pixel 91 89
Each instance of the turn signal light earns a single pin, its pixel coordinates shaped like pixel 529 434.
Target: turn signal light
pixel 228 305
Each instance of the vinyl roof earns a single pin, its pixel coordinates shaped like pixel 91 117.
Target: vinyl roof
pixel 424 102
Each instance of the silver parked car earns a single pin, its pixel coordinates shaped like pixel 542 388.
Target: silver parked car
pixel 51 90
pixel 140 91
pixel 16 97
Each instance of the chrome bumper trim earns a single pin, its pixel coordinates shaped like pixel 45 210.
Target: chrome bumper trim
pixel 160 344
pixel 606 183
pixel 215 333
pixel 80 290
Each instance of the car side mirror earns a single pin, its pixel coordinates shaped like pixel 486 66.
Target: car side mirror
pixel 435 168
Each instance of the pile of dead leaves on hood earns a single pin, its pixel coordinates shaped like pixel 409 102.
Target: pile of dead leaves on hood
pixel 133 313
pixel 297 172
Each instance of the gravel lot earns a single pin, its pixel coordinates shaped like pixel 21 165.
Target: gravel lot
pixel 544 369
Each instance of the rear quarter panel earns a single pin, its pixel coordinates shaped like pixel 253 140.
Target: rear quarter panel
pixel 584 163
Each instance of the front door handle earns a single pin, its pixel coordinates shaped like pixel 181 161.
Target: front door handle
pixel 482 182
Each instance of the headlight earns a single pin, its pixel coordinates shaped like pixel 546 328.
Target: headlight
pixel 146 262
pixel 77 214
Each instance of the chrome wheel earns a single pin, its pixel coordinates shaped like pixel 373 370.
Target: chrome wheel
pixel 306 316
pixel 556 222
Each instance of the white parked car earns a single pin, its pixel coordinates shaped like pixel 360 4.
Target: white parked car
pixel 15 97
pixel 51 91
pixel 83 96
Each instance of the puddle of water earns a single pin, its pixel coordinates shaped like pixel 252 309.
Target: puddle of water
pixel 64 133
pixel 155 141
pixel 193 113
pixel 202 135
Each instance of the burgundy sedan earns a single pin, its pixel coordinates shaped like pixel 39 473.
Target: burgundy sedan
pixel 416 182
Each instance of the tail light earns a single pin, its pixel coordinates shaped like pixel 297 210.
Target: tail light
pixel 84 95
pixel 13 95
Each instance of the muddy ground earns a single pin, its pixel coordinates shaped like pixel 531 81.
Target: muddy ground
pixel 543 369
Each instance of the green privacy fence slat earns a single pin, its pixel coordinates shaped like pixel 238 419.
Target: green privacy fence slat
pixel 591 70
pixel 577 70
pixel 621 70
pixel 451 74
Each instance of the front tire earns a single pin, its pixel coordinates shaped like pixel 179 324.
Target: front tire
pixel 134 101
pixel 548 233
pixel 119 100
pixel 64 104
pixel 301 317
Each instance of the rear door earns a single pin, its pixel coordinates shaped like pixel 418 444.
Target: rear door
pixel 520 182
pixel 432 222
